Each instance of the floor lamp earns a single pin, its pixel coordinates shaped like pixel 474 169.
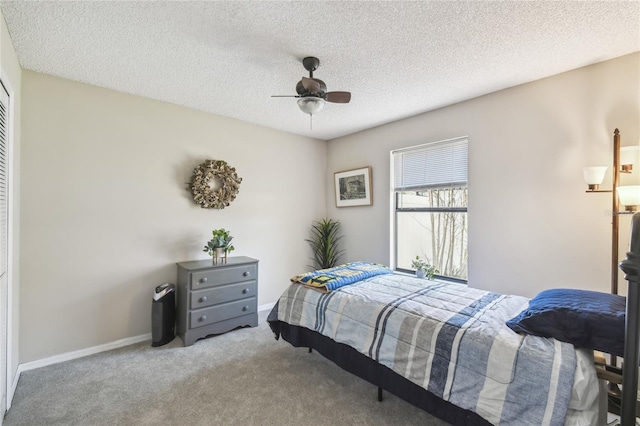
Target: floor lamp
pixel 623 160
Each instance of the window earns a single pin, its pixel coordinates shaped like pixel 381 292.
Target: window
pixel 430 196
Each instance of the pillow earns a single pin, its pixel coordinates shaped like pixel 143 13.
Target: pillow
pixel 587 319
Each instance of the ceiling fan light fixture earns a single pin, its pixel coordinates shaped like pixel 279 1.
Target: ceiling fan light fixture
pixel 311 104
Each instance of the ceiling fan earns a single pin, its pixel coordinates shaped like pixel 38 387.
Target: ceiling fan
pixel 312 92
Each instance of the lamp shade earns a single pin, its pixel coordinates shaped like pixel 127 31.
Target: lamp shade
pixel 629 195
pixel 629 154
pixel 594 175
pixel 310 104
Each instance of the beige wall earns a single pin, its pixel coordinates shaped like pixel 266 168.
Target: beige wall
pixel 106 213
pixel 531 225
pixel 12 74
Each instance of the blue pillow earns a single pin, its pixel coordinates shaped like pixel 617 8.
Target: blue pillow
pixel 587 319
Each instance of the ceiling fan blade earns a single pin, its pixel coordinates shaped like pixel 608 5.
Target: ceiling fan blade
pixel 285 96
pixel 311 85
pixel 338 97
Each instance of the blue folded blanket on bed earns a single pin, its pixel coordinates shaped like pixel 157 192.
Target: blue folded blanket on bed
pixel 333 278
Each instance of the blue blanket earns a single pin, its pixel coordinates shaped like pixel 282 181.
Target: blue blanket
pixel 332 278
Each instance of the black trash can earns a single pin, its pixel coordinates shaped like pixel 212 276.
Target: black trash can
pixel 163 315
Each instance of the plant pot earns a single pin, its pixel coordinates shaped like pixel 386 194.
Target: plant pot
pixel 219 255
pixel 420 273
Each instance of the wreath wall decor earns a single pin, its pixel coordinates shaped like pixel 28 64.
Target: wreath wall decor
pixel 202 186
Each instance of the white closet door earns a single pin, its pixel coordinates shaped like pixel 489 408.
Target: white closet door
pixel 4 243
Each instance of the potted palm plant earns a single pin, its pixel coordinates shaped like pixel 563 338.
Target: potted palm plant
pixel 219 245
pixel 324 243
pixel 423 268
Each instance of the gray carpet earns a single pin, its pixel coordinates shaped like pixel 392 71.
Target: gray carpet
pixel 244 377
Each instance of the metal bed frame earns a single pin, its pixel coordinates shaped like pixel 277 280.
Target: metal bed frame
pixel 631 267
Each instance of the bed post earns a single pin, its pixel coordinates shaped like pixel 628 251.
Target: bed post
pixel 631 267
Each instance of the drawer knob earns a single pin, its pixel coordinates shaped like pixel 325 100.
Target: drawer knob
pixel 203 318
pixel 246 273
pixel 203 280
pixel 245 308
pixel 245 291
pixel 203 299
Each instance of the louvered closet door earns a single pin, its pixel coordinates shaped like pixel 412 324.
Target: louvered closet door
pixel 4 242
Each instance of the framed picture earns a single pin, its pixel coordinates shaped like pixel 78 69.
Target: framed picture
pixel 353 187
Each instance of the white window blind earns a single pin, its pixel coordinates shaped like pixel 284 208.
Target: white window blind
pixel 436 165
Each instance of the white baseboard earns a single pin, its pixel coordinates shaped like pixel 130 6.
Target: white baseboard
pixel 68 356
pixel 266 307
pixel 12 390
pixel 82 353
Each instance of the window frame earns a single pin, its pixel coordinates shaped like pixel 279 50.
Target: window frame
pixel 397 210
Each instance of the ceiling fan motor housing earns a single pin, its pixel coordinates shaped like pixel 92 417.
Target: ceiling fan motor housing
pixel 304 92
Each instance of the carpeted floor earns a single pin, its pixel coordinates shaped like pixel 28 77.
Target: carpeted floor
pixel 244 377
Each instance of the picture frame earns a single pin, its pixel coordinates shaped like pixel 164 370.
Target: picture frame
pixel 353 187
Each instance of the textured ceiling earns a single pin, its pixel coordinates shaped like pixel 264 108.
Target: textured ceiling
pixel 397 58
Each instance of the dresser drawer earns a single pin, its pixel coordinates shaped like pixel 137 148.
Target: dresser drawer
pixel 232 274
pixel 222 294
pixel 222 312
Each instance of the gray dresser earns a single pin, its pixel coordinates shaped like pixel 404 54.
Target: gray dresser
pixel 216 298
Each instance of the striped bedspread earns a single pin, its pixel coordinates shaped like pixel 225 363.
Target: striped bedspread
pixel 447 338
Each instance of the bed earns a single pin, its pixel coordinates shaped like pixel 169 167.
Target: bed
pixel 443 347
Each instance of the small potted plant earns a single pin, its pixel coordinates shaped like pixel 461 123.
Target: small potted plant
pixel 219 245
pixel 423 268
